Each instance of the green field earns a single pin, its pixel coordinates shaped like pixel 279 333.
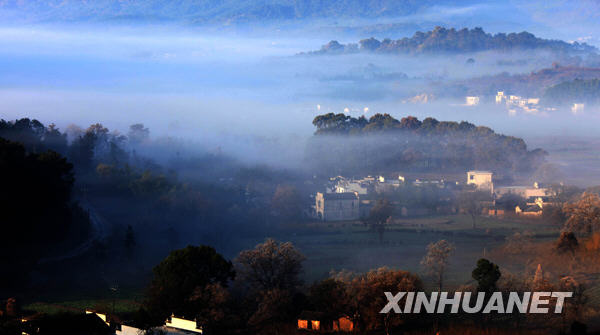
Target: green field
pixel 352 246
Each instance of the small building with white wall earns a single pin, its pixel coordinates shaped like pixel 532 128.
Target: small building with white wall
pixel 481 179
pixel 577 108
pixel 472 101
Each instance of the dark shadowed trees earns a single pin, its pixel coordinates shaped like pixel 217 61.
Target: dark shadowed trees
pixel 486 274
pixel 184 282
pixel 329 297
pixel 287 202
pixel 36 207
pixel 271 274
pixel 379 216
pixel 567 243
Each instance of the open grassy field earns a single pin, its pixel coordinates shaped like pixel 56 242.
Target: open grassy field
pixel 352 246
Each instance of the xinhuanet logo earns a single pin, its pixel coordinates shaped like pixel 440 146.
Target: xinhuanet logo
pixel 440 302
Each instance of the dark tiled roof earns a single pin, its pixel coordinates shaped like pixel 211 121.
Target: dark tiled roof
pixel 532 209
pixel 340 196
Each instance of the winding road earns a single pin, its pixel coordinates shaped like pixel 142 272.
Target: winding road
pixel 98 233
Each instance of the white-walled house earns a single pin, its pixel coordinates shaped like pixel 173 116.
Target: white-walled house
pixel 481 179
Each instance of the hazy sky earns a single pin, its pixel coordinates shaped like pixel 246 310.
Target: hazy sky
pixel 185 81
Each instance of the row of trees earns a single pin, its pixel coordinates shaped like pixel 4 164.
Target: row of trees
pixel 85 148
pixel 443 40
pixel 382 143
pixel 261 290
pixel 578 90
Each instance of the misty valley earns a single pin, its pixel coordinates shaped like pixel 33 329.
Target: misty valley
pixel 299 167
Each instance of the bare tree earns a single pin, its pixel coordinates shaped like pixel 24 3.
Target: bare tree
pixel 270 265
pixel 584 214
pixel 471 203
pixel 518 242
pixel 436 260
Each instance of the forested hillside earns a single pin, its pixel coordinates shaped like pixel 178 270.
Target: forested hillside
pixel 348 145
pixel 443 40
pixel 578 90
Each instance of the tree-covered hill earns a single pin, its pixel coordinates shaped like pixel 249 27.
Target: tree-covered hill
pixel 578 90
pixel 347 145
pixel 443 40
pixel 531 84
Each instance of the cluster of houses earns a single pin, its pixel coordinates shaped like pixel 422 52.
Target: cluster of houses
pixel 94 320
pixel 348 199
pixel 536 195
pixel 516 103
pixel 108 323
pixel 315 321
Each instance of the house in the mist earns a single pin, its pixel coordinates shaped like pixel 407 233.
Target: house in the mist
pixel 577 108
pixel 526 192
pixel 530 211
pixel 385 185
pixel 500 97
pixel 482 180
pixel 542 201
pixel 420 182
pixel 361 187
pixel 471 101
pixel 514 102
pixel 337 206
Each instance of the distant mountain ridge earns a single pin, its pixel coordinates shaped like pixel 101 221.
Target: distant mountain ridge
pixel 443 40
pixel 534 83
pixel 207 11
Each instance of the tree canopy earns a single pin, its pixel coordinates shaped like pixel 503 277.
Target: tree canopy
pixel 36 205
pixel 186 273
pixel 349 145
pixel 486 274
pixel 578 90
pixel 444 40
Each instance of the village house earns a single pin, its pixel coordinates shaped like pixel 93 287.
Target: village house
pixel 337 206
pixel 530 211
pixel 541 201
pixel 471 101
pixel 384 185
pixel 528 105
pixel 179 324
pixel 534 206
pixel 577 108
pixel 173 325
pixel 313 321
pixel 495 212
pixel 428 182
pixel 523 191
pixel 349 186
pixel 481 179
